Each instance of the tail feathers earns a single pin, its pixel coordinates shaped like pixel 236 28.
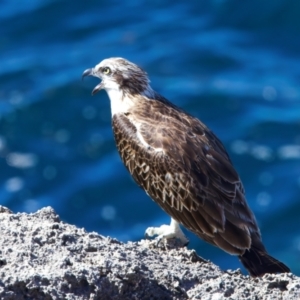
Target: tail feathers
pixel 259 262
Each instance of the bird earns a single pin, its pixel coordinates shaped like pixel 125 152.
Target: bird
pixel 182 165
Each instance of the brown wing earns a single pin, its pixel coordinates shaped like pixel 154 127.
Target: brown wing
pixel 187 171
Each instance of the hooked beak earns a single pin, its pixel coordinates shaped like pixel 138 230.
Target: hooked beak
pixel 90 72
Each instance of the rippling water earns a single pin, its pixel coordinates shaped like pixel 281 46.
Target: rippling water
pixel 234 64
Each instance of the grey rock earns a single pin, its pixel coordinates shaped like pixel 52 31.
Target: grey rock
pixel 42 257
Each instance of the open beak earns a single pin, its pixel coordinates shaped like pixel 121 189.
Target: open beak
pixel 90 72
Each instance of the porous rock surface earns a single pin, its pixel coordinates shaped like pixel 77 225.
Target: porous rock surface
pixel 44 258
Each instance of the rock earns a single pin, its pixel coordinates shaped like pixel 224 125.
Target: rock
pixel 42 257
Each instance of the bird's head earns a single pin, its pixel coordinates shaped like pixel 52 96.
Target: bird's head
pixel 119 75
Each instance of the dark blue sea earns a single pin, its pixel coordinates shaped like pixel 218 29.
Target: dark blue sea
pixel 234 64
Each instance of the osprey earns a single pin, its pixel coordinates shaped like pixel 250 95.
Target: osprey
pixel 182 166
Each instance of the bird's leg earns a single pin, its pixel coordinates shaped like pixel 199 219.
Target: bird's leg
pixel 167 232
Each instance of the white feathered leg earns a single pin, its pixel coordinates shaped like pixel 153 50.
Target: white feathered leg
pixel 167 232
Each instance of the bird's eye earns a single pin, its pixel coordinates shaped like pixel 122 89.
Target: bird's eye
pixel 106 70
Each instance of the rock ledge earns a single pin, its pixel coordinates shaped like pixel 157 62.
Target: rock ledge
pixel 44 258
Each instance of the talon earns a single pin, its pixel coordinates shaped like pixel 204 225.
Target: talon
pixel 158 241
pixel 186 244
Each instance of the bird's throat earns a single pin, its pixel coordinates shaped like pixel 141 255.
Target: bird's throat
pixel 119 102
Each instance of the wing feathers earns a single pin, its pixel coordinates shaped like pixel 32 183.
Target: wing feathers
pixel 221 166
pixel 224 244
pixel 186 170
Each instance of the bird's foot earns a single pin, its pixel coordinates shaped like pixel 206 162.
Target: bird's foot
pixel 167 232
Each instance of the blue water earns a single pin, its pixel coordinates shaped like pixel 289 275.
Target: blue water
pixel 234 64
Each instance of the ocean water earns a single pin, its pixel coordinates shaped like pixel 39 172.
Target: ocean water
pixel 234 64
